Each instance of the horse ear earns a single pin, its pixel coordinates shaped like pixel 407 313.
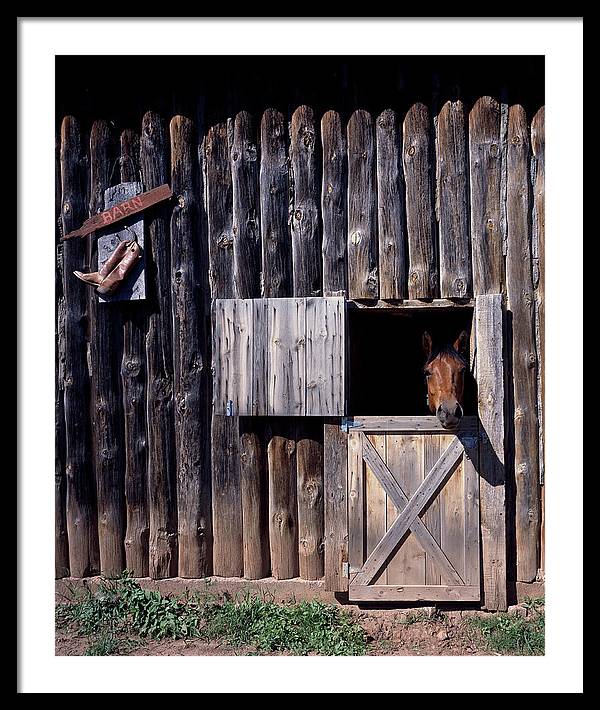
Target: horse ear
pixel 460 344
pixel 427 344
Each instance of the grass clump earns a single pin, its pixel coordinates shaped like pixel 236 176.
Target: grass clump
pixel 119 608
pixel 308 627
pixel 514 635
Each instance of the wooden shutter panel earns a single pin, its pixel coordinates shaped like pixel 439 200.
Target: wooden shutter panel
pixel 279 356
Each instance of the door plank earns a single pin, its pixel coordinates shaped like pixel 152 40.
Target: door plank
pixel 286 355
pixel 325 356
pixel 431 517
pixel 375 496
pixel 452 515
pixel 356 547
pixel 413 593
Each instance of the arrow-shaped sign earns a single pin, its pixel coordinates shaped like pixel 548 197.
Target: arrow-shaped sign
pixel 121 211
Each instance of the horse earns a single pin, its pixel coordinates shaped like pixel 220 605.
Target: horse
pixel 444 371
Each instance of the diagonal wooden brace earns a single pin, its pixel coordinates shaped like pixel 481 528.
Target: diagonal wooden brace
pixel 412 508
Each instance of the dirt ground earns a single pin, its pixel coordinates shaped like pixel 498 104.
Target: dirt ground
pixel 420 631
pixel 393 633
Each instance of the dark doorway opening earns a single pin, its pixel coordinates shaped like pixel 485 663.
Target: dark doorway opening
pixel 386 358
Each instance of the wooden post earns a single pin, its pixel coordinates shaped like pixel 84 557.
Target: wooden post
pixel 105 360
pixel 453 202
pixel 276 244
pixel 486 233
pixel 538 247
pixel 391 208
pixel 162 503
pixel 420 216
pixel 521 302
pixel 61 540
pixel 335 464
pixel 255 511
pixel 133 384
pixel 283 514
pixel 363 273
pixel 333 205
pixel 306 249
pixel 304 218
pixel 492 475
pixel 81 514
pixel 190 358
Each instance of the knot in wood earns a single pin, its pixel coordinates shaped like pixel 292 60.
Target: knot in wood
pixel 356 237
pixel 308 139
pixel 414 276
pixel 494 150
pixel 329 189
pixel 224 241
pixel 235 155
pixel 490 224
pixel 181 200
pixel 66 208
pixel 531 360
pixel 516 140
pixel 412 150
pixel 364 155
pixel 298 214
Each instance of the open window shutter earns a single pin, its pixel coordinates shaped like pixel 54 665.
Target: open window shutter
pixel 279 356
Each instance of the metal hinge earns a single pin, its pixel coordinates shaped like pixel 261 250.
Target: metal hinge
pixel 229 408
pixel 348 423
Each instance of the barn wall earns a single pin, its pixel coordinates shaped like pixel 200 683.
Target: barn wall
pixel 435 201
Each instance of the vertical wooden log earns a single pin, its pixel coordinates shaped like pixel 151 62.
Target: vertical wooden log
pixel 418 160
pixel 363 275
pixel 521 302
pixel 485 174
pixel 255 509
pixel 190 359
pixel 61 541
pixel 492 476
pixel 306 249
pixel 333 205
pixel 162 502
pixel 246 224
pixel 81 495
pixel 538 142
pixel 391 208
pixel 225 455
pixel 219 210
pixel 304 179
pixel 105 361
pixel 335 465
pixel 309 459
pixel 283 516
pixel 453 202
pixel 276 243
pixel 133 384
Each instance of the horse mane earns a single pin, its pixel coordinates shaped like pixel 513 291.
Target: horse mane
pixel 446 350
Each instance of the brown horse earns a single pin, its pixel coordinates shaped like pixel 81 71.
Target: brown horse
pixel 445 374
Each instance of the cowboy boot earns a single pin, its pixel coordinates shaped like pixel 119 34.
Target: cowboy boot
pixel 95 278
pixel 111 283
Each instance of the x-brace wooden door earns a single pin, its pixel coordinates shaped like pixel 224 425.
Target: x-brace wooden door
pixel 413 510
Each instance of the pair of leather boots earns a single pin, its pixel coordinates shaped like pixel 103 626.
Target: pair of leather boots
pixel 114 270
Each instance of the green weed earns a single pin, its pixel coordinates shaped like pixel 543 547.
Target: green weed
pixel 120 607
pixel 513 635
